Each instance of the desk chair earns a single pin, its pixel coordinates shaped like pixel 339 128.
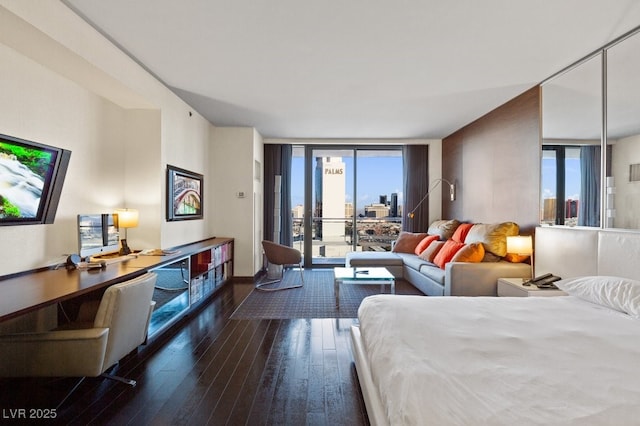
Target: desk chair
pixel 278 254
pixel 104 333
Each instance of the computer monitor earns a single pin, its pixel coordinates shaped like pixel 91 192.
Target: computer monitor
pixel 98 234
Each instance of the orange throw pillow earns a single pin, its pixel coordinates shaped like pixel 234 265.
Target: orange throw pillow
pixel 447 252
pixel 516 258
pixel 407 242
pixel 430 252
pixel 472 253
pixel 461 232
pixel 422 245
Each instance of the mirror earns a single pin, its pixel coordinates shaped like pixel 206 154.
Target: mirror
pixel 623 134
pixel 582 184
pixel 571 140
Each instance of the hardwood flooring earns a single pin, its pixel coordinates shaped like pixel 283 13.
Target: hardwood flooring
pixel 213 370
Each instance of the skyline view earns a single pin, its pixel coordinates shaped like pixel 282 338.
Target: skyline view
pixel 377 174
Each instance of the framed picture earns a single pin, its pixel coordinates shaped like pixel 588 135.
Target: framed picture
pixel 184 194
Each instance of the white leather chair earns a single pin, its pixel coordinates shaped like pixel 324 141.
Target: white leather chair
pixel 85 349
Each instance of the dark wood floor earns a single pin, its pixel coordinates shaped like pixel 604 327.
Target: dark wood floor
pixel 213 370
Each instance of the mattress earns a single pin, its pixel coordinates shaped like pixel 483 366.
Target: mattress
pixel 495 361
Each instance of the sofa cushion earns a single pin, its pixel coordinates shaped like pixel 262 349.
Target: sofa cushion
pixel 422 245
pixel 413 261
pixel 443 228
pixel 473 253
pixel 447 252
pixel 372 258
pixel 407 242
pixel 430 252
pixel 432 271
pixel 492 236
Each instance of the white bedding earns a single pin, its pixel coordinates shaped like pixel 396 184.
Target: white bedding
pixel 490 361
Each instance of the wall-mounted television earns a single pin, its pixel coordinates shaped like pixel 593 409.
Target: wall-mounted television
pixel 98 234
pixel 31 179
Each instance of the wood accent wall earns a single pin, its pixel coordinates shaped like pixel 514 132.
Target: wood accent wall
pixel 495 163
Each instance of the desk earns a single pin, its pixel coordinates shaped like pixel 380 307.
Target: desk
pixel 24 293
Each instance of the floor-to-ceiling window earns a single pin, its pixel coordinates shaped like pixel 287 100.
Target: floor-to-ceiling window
pixel 345 198
pixel 561 184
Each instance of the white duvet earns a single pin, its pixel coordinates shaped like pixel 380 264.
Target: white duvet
pixel 502 361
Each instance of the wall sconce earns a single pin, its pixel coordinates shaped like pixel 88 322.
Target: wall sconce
pixel 521 245
pixel 127 218
pixel 434 184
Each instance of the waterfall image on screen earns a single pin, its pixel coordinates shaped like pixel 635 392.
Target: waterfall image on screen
pixel 31 179
pixel 23 172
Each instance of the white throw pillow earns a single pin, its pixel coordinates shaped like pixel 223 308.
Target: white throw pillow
pixel 621 294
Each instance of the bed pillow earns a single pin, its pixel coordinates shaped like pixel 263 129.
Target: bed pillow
pixel 449 249
pixel 472 253
pixel 407 242
pixel 621 294
pixel 430 252
pixel 422 245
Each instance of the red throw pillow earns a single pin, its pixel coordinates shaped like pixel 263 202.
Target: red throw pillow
pixel 422 245
pixel 447 252
pixel 461 232
pixel 407 242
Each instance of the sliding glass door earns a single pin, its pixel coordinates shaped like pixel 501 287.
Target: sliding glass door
pixel 344 199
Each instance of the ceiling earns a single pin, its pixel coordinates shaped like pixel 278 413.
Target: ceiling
pixel 357 68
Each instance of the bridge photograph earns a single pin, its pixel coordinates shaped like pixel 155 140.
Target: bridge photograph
pixel 184 190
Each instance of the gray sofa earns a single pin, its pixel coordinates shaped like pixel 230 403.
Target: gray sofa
pixel 456 279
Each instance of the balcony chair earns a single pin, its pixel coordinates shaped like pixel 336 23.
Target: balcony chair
pixel 278 254
pixel 104 332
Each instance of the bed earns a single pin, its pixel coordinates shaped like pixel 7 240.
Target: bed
pixel 555 360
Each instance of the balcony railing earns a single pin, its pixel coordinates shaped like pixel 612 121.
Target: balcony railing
pixel 334 237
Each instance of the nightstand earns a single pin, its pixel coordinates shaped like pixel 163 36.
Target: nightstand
pixel 512 287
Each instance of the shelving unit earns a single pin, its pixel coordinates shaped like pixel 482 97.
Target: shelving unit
pixel 188 281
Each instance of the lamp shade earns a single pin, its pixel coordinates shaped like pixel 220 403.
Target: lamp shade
pixel 520 244
pixel 127 218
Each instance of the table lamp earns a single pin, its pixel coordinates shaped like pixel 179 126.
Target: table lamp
pixel 127 218
pixel 521 245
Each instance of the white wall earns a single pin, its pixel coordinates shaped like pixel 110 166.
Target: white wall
pixel 625 152
pixel 236 149
pixel 65 85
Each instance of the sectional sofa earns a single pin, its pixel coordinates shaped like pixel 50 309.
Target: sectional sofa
pixel 451 258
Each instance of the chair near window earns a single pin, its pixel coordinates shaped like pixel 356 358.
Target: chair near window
pixel 104 333
pixel 280 255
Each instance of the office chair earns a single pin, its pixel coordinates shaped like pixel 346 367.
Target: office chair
pixel 104 332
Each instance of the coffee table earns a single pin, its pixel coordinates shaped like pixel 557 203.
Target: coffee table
pixel 361 276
